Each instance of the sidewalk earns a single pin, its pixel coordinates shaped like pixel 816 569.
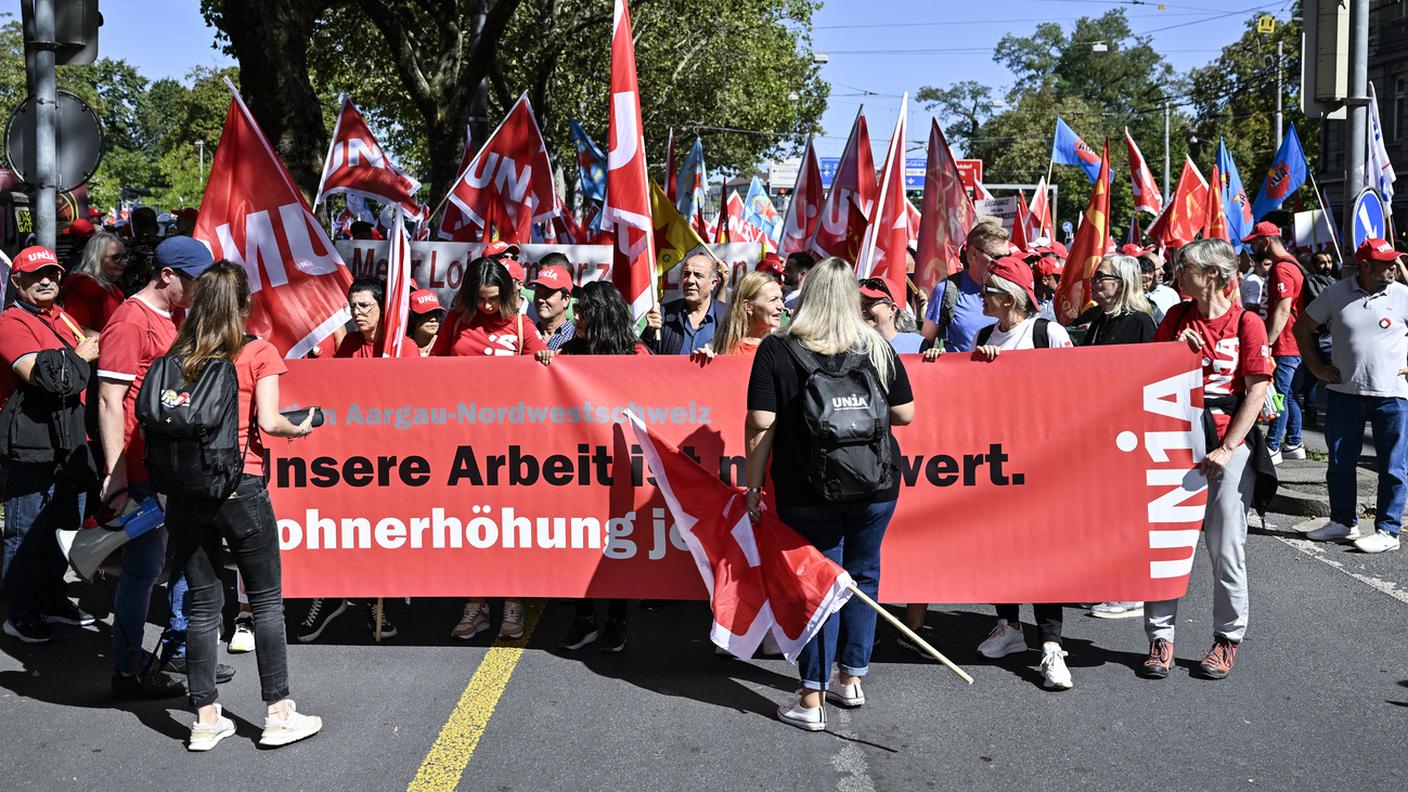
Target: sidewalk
pixel 1303 491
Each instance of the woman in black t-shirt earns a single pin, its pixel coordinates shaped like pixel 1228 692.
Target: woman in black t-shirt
pixel 829 325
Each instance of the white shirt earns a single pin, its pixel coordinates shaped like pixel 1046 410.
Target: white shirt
pixel 1161 298
pixel 1020 336
pixel 1254 293
pixel 1368 336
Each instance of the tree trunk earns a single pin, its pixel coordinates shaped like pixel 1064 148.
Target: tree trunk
pixel 270 40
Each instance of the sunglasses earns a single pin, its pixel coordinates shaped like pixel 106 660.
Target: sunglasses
pixel 878 284
pixel 993 290
pixel 1101 277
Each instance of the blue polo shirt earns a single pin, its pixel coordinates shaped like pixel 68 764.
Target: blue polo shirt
pixel 677 336
pixel 968 317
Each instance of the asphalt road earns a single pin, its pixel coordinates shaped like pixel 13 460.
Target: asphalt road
pixel 1318 700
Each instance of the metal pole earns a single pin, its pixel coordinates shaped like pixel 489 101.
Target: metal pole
pixel 1279 91
pixel 45 151
pixel 1166 155
pixel 200 146
pixel 479 103
pixel 1358 109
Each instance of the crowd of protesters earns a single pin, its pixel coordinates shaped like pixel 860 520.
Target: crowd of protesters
pixel 1272 331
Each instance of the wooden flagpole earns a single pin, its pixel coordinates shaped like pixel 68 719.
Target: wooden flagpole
pixel 911 635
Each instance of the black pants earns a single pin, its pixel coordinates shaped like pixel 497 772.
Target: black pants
pixel 615 609
pixel 1048 619
pixel 245 520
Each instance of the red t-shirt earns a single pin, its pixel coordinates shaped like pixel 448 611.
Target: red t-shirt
pixel 1285 281
pixel 1234 348
pixel 488 334
pixel 355 345
pixel 90 303
pixel 24 333
pixel 258 359
pixel 135 335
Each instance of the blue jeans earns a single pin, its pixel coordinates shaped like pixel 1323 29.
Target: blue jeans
pixel 1345 415
pixel 142 560
pixel 40 501
pixel 1288 422
pixel 849 534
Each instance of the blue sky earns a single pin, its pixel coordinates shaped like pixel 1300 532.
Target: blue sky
pixel 878 49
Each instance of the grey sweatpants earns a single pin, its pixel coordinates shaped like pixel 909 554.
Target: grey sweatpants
pixel 1225 532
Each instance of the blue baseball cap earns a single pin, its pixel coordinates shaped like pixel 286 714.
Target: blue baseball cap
pixel 183 254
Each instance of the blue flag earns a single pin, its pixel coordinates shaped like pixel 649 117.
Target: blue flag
pixel 691 186
pixel 759 213
pixel 591 163
pixel 1284 176
pixel 1068 149
pixel 1235 204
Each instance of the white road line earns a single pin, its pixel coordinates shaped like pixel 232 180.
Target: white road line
pixel 1317 551
pixel 850 760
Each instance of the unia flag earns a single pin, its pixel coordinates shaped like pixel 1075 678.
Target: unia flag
pixel 804 210
pixel 760 576
pixel 395 321
pixel 1146 190
pixel 854 183
pixel 357 164
pixel 882 253
pixel 509 183
pixel 253 214
pixel 627 208
pixel 946 214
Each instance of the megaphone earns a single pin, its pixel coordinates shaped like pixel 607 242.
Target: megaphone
pixel 86 549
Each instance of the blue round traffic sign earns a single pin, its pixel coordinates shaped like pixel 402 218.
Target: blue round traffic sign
pixel 1368 218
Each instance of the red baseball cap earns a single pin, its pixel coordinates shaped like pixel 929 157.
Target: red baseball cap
pixel 1056 247
pixel 1375 249
pixel 1016 270
pixel 771 263
pixel 872 293
pixel 1047 267
pixel 80 228
pixel 515 270
pixel 35 258
pixel 554 276
pixel 424 301
pixel 1261 230
pixel 1134 250
pixel 497 248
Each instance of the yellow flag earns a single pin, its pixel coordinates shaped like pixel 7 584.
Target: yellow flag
pixel 674 236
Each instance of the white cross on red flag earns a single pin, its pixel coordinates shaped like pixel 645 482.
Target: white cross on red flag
pixel 357 164
pixel 254 215
pixel 509 182
pixel 627 207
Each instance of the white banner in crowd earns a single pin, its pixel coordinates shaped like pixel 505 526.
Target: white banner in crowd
pixel 440 265
pixel 1314 229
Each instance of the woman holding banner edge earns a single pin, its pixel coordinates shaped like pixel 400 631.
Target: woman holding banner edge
pixel 829 327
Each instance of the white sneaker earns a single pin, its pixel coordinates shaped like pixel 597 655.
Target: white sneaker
pixel 294 726
pixel 1117 610
pixel 844 695
pixel 794 714
pixel 1054 673
pixel 1294 452
pixel 1377 542
pixel 203 737
pixel 1005 639
pixel 242 639
pixel 1276 457
pixel 1330 532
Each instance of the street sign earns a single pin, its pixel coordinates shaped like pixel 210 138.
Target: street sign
pixel 970 172
pixel 78 139
pixel 1368 218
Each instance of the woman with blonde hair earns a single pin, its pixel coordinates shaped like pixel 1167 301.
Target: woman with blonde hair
pixel 844 516
pixel 214 330
pixel 1122 313
pixel 90 292
pixel 754 310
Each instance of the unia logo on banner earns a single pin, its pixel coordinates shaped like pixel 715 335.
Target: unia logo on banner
pixel 1175 508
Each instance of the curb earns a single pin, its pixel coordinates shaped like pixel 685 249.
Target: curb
pixel 1293 502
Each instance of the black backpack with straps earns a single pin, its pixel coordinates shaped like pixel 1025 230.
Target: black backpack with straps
pixel 847 418
pixel 1041 336
pixel 192 429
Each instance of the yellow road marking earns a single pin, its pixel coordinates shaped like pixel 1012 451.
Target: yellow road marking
pixel 448 757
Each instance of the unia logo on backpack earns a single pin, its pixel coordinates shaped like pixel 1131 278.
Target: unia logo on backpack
pixel 849 403
pixel 170 398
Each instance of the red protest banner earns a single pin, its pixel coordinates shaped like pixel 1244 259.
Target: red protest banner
pixel 454 476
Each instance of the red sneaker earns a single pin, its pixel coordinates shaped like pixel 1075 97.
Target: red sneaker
pixel 1160 659
pixel 1218 662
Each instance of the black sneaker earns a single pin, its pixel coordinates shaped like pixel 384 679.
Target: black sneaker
pixel 613 637
pixel 388 630
pixel 321 612
pixel 177 666
pixel 153 684
pixel 29 628
pixel 62 611
pixel 581 633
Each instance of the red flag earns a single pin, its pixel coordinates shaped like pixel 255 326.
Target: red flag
pixel 455 225
pixel 855 177
pixel 509 182
pixel 1038 220
pixel 253 214
pixel 760 576
pixel 1134 234
pixel 1092 239
pixel 1020 240
pixel 356 164
pixel 946 214
pixel 912 222
pixel 671 177
pixel 1146 190
pixel 882 253
pixel 1215 222
pixel 731 225
pixel 627 209
pixel 1185 212
pixel 804 210
pixel 395 320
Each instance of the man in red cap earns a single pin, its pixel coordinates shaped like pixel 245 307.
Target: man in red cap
pixel 1368 319
pixel 44 370
pixel 1283 287
pixel 552 297
pixel 1048 269
pixel 426 315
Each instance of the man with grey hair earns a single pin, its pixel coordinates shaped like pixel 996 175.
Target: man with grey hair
pixel 689 323
pixel 955 310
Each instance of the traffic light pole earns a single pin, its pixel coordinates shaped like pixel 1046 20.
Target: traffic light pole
pixel 41 61
pixel 1358 106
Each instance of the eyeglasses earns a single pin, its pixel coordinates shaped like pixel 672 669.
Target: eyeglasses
pixel 1100 277
pixel 362 307
pixel 878 284
pixel 993 290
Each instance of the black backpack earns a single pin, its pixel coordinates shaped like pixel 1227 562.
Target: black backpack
pixel 191 429
pixel 847 418
pixel 1041 337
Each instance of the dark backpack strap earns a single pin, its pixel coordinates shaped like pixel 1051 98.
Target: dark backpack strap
pixel 802 355
pixel 1041 338
pixel 983 336
pixel 949 303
